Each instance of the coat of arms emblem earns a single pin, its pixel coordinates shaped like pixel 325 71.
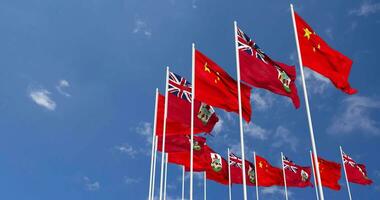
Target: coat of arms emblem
pixel 216 162
pixel 205 112
pixel 251 174
pixel 284 79
pixel 304 176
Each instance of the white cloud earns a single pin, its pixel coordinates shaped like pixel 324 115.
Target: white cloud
pixel 145 129
pixel 377 173
pixel 62 84
pixel 275 191
pixel 353 25
pixel 329 33
pixel 366 8
pixel 41 97
pixel 283 137
pixel 262 100
pixel 316 83
pixel 236 148
pixel 129 180
pixel 91 185
pixel 293 56
pixel 142 27
pixel 194 4
pixel 219 126
pixel 229 116
pixel 127 149
pixel 356 116
pixel 256 131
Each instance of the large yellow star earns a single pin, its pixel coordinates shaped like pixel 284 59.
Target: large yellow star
pixel 307 33
pixel 260 164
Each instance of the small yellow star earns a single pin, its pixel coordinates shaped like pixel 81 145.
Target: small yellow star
pixel 217 77
pixel 209 71
pixel 307 33
pixel 206 68
pixel 319 47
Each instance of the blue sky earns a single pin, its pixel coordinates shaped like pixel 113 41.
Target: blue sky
pixel 78 78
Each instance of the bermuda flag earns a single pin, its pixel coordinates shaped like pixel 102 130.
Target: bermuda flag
pixel 259 70
pixel 296 176
pixel 216 168
pixel 356 173
pixel 205 159
pixel 236 168
pixel 180 143
pixel 321 58
pixel 179 110
pixel 183 158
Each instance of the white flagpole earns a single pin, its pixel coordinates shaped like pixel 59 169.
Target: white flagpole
pixel 164 133
pixel 183 182
pixel 151 168
pixel 166 174
pixel 204 186
pixel 153 146
pixel 283 172
pixel 229 175
pixel 314 147
pixel 345 173
pixel 315 178
pixel 154 166
pixel 192 120
pixel 256 176
pixel 240 114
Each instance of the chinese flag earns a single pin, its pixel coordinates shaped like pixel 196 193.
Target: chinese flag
pixel 180 143
pixel 268 175
pixel 236 168
pixel 296 176
pixel 356 173
pixel 320 57
pixel 330 173
pixel 179 115
pixel 217 88
pixel 259 70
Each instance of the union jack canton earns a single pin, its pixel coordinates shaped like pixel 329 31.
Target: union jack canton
pixel 289 165
pixel 179 86
pixel 246 44
pixel 235 161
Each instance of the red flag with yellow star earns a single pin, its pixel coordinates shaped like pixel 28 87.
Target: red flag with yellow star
pixel 330 173
pixel 217 88
pixel 267 175
pixel 319 56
